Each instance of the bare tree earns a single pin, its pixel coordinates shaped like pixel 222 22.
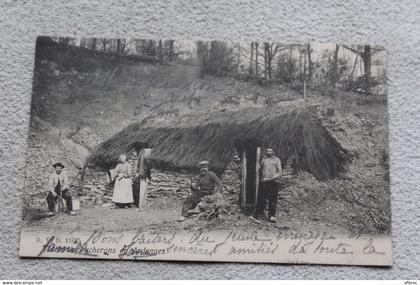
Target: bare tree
pixel 151 49
pixel 256 59
pixel 160 51
pixel 365 52
pixel 83 43
pixel 93 44
pixel 121 43
pixel 64 40
pixel 171 53
pixel 334 72
pixel 310 64
pixel 251 70
pixel 367 63
pixel 104 42
pixel 270 52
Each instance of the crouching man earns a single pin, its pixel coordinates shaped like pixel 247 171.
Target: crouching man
pixel 59 183
pixel 204 185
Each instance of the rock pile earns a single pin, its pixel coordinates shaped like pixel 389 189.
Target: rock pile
pixel 169 184
pixel 97 191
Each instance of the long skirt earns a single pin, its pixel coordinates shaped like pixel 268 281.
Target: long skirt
pixel 123 193
pixel 143 192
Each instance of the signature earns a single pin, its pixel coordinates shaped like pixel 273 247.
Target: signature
pixel 79 248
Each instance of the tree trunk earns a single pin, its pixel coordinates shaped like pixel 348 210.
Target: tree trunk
pixel 93 46
pixel 118 45
pixel 64 40
pixel 335 66
pixel 309 63
pixel 354 66
pixel 123 45
pixel 300 65
pixel 367 65
pixel 171 51
pixel 151 49
pixel 82 176
pixel 270 56
pixel 160 51
pixel 251 71
pixel 266 55
pixel 256 59
pixel 304 67
pixel 82 43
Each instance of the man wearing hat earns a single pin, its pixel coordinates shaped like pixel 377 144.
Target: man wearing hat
pixel 204 185
pixel 59 183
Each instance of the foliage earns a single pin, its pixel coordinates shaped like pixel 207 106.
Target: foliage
pixel 216 58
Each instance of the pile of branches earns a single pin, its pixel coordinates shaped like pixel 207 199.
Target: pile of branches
pixel 214 208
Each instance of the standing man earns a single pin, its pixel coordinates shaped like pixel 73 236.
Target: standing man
pixel 205 183
pixel 271 172
pixel 59 183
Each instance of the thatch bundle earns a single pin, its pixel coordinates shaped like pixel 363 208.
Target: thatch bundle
pixel 292 131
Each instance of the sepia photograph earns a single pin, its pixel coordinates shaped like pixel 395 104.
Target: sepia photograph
pixel 216 151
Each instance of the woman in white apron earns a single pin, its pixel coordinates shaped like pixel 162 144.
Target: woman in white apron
pixel 123 192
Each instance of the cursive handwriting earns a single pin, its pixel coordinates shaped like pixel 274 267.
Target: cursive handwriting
pixel 79 249
pixel 369 248
pixel 263 248
pixel 200 238
pixel 239 237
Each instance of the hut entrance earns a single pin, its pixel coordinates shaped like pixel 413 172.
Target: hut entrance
pixel 250 176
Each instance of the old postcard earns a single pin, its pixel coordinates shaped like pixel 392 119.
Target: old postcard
pixel 208 151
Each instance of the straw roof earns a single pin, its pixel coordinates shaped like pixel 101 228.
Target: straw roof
pixel 291 130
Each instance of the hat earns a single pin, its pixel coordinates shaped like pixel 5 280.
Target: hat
pixel 204 163
pixel 58 164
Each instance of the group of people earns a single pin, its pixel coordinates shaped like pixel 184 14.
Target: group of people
pixel 205 183
pixel 270 173
pixel 131 188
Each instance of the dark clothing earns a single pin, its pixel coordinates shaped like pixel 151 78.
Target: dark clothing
pixel 136 187
pixel 205 183
pixel 144 167
pixel 267 192
pixel 147 170
pixel 191 202
pixel 122 205
pixel 204 186
pixel 145 173
pixel 51 200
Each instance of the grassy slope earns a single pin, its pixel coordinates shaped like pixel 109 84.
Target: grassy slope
pixel 110 97
pixel 360 199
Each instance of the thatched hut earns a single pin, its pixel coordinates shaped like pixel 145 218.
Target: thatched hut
pixel 291 130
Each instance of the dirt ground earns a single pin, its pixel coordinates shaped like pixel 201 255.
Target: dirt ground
pixel 112 219
pixel 161 213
